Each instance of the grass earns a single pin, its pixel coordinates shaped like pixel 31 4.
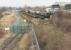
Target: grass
pixel 49 37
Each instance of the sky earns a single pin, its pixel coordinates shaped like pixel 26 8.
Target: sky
pixel 22 3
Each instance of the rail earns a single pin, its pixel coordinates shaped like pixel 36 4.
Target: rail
pixel 34 39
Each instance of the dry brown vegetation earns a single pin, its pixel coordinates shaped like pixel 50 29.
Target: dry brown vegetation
pixel 55 36
pixel 49 37
pixel 62 19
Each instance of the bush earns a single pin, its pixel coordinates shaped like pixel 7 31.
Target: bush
pixel 62 19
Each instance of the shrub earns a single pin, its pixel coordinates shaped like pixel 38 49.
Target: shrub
pixel 62 19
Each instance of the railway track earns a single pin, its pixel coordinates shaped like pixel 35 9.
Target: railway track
pixel 10 43
pixel 35 40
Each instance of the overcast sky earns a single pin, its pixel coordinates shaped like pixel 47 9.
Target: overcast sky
pixel 21 3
